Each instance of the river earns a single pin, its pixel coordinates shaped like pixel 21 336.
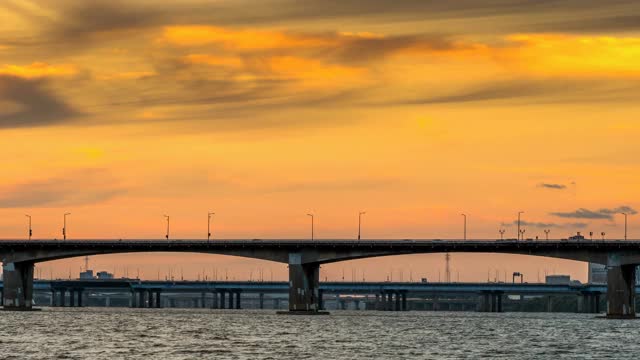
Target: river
pixel 117 333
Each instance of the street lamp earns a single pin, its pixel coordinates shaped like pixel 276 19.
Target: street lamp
pixel 311 225
pixel 502 231
pixel 465 226
pixel 30 232
pixel 603 234
pixel 519 213
pixel 360 222
pixel 625 225
pixel 167 235
pixel 64 226
pixel 547 231
pixel 209 215
pixel 522 233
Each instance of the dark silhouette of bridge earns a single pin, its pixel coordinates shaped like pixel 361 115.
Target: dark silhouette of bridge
pixel 304 258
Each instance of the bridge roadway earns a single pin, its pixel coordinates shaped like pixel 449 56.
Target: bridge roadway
pixel 146 293
pixel 304 258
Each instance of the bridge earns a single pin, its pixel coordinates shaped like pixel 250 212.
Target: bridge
pixel 392 296
pixel 304 258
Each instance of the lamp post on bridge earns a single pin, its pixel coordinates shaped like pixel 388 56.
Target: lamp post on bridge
pixel 625 225
pixel 465 226
pixel 167 235
pixel 547 231
pixel 311 215
pixel 30 232
pixel 519 213
pixel 64 226
pixel 522 233
pixel 360 222
pixel 502 231
pixel 209 215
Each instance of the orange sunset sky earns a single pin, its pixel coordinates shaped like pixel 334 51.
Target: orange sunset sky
pixel 262 111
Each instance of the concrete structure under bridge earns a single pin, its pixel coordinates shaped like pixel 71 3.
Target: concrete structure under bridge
pixel 305 257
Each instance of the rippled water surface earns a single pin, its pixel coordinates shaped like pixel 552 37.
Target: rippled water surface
pixel 191 334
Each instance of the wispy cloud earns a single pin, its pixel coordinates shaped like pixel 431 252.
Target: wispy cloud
pixel 80 187
pixel 35 104
pixel 601 214
pixel 552 186
pixel 547 225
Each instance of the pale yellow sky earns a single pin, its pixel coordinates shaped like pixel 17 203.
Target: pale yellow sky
pixel 121 113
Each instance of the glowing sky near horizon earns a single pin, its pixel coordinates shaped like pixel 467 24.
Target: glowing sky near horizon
pixel 262 112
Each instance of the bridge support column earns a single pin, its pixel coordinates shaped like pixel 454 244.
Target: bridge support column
pixel 214 303
pixel 18 286
pixel 230 300
pixel 141 299
pixel 72 299
pixel 238 301
pixel 304 286
pixel 80 295
pixel 261 300
pixel 221 299
pixel 52 302
pixel 397 307
pixel 404 302
pixel 320 300
pixel 549 303
pixel 621 292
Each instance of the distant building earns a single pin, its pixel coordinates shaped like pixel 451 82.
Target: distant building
pixel 104 275
pixel 86 275
pixel 558 280
pixel 597 274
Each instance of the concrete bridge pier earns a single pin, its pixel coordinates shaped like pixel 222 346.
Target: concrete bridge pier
pixel 490 302
pixel 214 298
pixel 261 300
pixel 621 301
pixel 221 299
pixel 238 300
pixel 18 286
pixel 589 303
pixel 230 300
pixel 304 286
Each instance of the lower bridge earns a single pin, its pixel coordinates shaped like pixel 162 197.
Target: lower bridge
pixel 389 296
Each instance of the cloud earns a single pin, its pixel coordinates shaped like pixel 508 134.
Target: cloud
pixel 522 90
pixel 552 186
pixel 38 70
pixel 601 214
pixel 81 187
pixel 543 225
pixel 30 104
